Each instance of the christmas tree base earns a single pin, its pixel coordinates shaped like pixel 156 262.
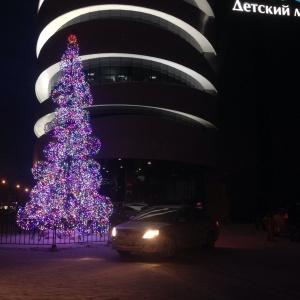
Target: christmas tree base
pixel 53 248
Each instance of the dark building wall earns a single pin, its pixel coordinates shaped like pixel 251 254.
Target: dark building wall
pixel 144 120
pixel 177 8
pixel 119 36
pixel 178 98
pixel 149 137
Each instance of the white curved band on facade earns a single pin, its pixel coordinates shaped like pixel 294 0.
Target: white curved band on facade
pixel 40 4
pixel 39 127
pixel 60 21
pixel 43 86
pixel 40 124
pixel 203 5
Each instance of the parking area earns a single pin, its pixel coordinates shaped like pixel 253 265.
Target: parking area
pixel 243 266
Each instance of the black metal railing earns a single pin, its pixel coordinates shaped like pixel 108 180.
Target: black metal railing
pixel 11 233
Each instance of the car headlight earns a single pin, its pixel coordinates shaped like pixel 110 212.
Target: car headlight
pixel 151 234
pixel 114 231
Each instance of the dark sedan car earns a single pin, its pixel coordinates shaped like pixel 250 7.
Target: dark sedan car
pixel 165 229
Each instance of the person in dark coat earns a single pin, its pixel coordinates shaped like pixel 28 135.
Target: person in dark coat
pixel 270 226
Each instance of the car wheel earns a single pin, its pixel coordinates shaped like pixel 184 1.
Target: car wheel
pixel 169 248
pixel 210 241
pixel 123 252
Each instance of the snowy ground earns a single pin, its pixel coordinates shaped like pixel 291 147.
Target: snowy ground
pixel 243 266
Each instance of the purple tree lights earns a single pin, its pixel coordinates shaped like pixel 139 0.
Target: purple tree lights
pixel 66 196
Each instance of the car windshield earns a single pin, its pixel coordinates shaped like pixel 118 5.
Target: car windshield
pixel 157 214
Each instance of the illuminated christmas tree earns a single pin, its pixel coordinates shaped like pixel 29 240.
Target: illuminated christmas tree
pixel 66 196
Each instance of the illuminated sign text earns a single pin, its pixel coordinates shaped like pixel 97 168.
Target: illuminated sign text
pixel 282 10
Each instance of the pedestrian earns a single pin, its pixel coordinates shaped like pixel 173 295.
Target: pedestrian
pixel 270 226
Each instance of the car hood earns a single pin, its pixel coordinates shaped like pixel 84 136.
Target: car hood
pixel 139 225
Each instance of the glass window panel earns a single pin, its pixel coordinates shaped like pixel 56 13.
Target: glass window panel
pixel 113 70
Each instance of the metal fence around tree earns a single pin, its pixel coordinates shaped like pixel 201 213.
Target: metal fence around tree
pixel 11 233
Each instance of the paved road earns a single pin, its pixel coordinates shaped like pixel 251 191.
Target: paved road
pixel 243 266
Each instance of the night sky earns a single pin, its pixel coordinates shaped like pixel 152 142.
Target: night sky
pixel 259 95
pixel 17 98
pixel 258 85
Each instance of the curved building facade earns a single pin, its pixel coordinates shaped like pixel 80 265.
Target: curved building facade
pixel 150 65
